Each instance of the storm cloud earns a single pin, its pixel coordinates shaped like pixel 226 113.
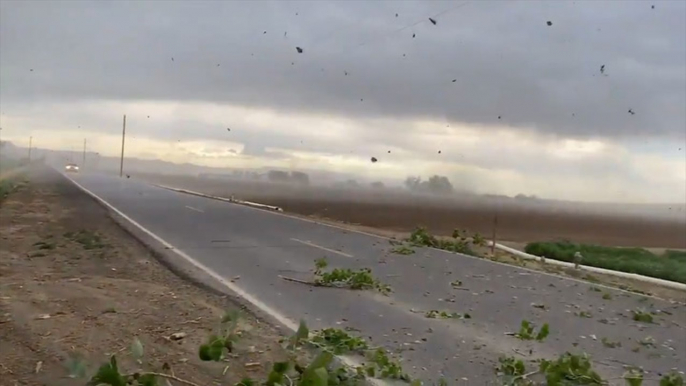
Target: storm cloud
pixel 486 63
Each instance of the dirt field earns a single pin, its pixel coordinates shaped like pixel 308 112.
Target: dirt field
pixel 396 211
pixel 59 298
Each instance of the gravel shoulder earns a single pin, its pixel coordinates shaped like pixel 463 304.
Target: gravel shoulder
pixel 72 282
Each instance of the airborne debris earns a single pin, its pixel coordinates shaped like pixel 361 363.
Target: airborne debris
pixel 631 111
pixel 396 15
pixel 432 21
pixel 265 32
pixel 499 117
pixel 602 69
pixel 549 23
pixel 172 59
pixel 345 72
pixel 652 7
pixel 439 152
pixel 300 50
pixel 413 36
pixel 454 80
pixel 228 129
pixel 374 159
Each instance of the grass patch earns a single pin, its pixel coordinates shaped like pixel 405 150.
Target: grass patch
pixel 459 243
pixel 89 240
pixel 669 266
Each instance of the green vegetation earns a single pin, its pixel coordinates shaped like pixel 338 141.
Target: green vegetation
pixel 642 316
pixel 88 239
pixel 566 370
pixel 458 244
pixel 610 344
pixel 435 314
pixel 527 331
pixel 669 266
pixel 402 250
pixel 347 278
pixel 320 371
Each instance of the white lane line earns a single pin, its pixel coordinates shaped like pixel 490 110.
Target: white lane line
pixel 322 248
pixel 195 209
pixel 285 321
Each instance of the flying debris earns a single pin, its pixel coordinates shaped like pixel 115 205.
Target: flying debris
pixel 389 152
pixel 432 21
pixel 300 50
pixel 454 80
pixel 346 73
pixel 439 152
pixel 374 159
pixel 264 33
pixel 413 35
pixel 148 116
pixel 631 111
pixel 31 70
pixel 285 33
pixel 228 129
pixel 396 15
pixel 652 7
pixel 499 116
pixel 172 59
pixel 549 23
pixel 602 69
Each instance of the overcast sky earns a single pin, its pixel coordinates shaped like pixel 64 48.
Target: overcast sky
pixel 512 104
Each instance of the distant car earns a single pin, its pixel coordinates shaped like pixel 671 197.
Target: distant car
pixel 71 168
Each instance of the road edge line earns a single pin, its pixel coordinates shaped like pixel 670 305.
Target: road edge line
pixel 261 306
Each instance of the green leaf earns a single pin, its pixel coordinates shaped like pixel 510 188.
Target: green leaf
pixel 324 359
pixel 108 374
pixel 320 377
pixel 137 349
pixel 672 379
pixel 204 352
pixel 633 377
pixel 216 349
pixel 543 333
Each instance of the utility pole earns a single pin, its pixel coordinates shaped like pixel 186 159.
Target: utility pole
pixel 123 138
pixel 83 162
pixel 30 145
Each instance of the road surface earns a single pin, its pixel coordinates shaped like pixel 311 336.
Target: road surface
pixel 259 246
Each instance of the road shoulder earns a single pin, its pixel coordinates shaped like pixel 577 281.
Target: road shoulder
pixel 75 283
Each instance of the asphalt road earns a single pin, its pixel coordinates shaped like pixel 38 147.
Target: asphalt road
pixel 259 246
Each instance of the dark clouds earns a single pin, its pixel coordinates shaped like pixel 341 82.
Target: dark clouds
pixel 505 59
